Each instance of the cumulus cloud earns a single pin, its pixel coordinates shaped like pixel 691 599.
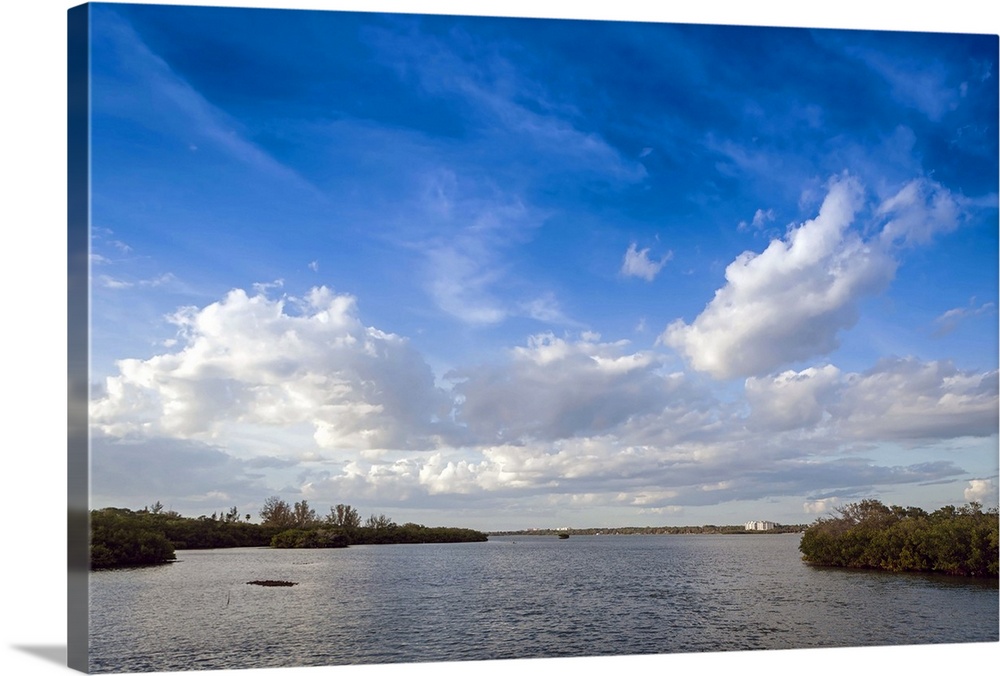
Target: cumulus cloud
pixel 601 472
pixel 299 395
pixel 983 491
pixel 897 399
pixel 604 471
pixel 823 506
pixel 789 302
pixel 254 361
pixel 555 388
pixel 792 400
pixel 911 399
pixel 637 263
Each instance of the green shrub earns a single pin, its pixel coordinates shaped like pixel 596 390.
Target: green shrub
pixel 951 540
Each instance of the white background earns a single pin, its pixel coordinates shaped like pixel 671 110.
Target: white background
pixel 33 330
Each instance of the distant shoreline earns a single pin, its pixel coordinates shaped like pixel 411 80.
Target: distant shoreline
pixel 652 530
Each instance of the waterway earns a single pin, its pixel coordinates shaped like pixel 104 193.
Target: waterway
pixel 515 597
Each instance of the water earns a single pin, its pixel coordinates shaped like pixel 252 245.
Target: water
pixel 515 597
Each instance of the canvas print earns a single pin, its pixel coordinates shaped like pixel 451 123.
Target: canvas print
pixel 414 338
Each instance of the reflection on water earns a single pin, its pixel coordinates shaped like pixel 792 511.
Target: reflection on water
pixel 514 598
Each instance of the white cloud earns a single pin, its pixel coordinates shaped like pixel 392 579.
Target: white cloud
pixel 983 491
pixel 245 362
pixel 791 400
pixel 787 303
pixel 514 114
pixel 121 246
pixel 354 414
pixel 440 475
pixel 555 388
pixel 637 263
pixel 824 506
pixel 263 287
pixel 468 260
pixel 109 282
pixel 466 272
pixel 151 89
pixel 460 284
pixel 911 399
pixel 760 219
pixel 546 309
pixel 162 280
pixel 925 86
pixel 897 399
pixel 920 210
pixel 949 320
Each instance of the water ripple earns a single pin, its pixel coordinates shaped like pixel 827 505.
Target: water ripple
pixel 581 597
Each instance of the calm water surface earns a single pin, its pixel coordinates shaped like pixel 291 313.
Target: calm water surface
pixel 517 597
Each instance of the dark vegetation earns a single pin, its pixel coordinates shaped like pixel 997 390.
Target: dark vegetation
pixel 123 537
pixel 951 540
pixel 309 538
pixel 301 527
pixel 117 539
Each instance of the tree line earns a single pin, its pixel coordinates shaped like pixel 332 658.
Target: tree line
pixel 122 537
pixel 342 526
pixel 868 534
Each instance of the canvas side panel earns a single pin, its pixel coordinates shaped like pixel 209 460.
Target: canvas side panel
pixel 78 338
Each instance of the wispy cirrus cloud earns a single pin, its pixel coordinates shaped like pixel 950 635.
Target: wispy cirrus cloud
pixel 465 263
pixel 949 320
pixel 924 84
pixel 918 212
pixel 109 282
pixel 637 263
pixel 761 218
pixel 148 91
pixel 517 117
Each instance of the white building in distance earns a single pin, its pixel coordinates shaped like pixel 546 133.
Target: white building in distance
pixel 759 525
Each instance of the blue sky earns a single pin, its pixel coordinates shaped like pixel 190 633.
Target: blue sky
pixel 515 273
